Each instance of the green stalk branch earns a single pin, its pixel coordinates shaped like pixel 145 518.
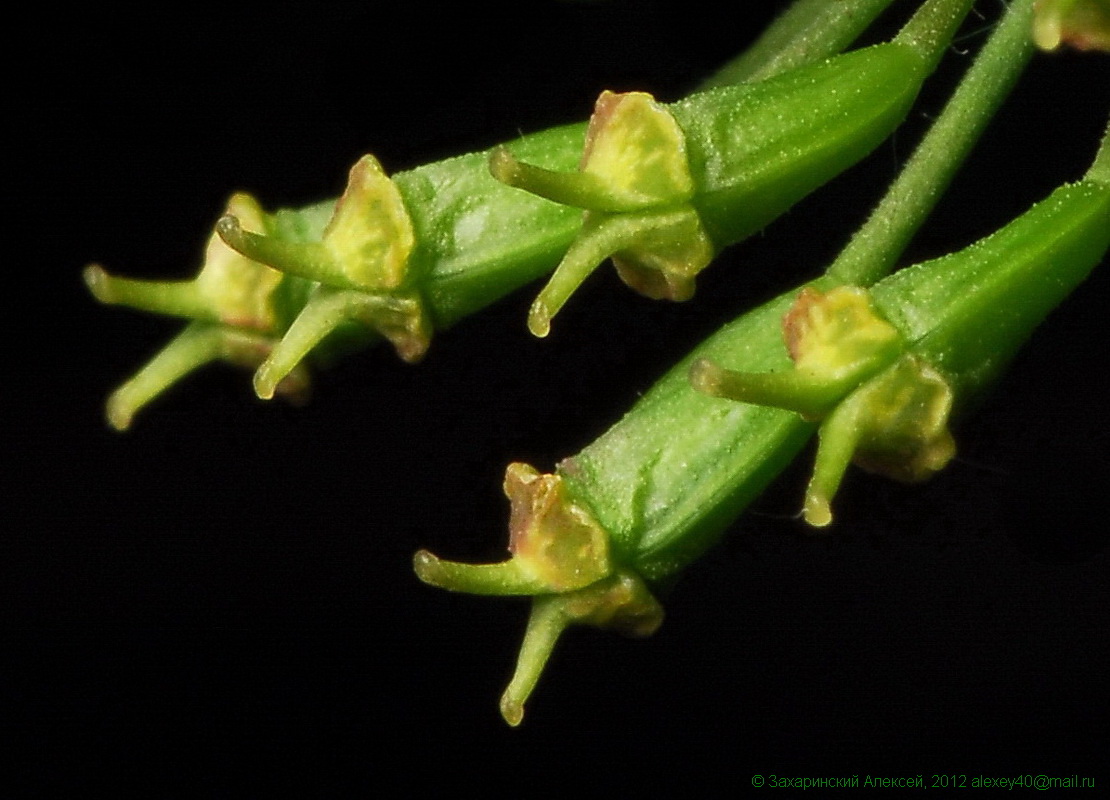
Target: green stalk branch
pixel 806 32
pixel 875 247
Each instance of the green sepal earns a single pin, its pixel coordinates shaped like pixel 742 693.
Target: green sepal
pixel 621 602
pixel 895 424
pixel 399 317
pixel 634 158
pixel 880 407
pixel 576 189
pixel 230 289
pixel 362 262
pixel 235 308
pixel 555 543
pixel 635 186
pixel 199 344
pixel 657 253
pixel 835 339
pixel 560 558
pixel 366 244
pixel 791 390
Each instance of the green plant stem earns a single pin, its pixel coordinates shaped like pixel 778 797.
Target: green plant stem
pixel 932 27
pixel 806 32
pixel 875 247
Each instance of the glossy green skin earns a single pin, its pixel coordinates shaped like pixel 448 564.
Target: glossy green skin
pixel 756 149
pixel 478 239
pixel 668 478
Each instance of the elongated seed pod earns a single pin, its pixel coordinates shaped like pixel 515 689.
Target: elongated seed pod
pixel 400 257
pixel 630 510
pixel 664 188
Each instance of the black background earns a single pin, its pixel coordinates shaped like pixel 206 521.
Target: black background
pixel 223 595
